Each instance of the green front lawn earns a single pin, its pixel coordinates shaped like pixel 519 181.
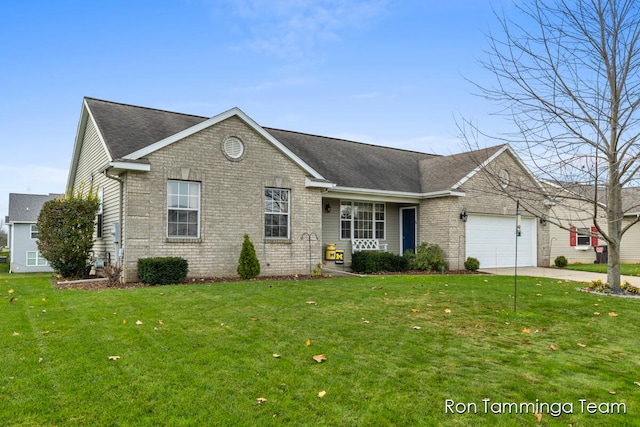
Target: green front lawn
pixel 625 269
pixel 400 350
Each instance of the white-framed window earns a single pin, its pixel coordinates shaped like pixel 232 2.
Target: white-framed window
pixel 362 220
pixel 277 216
pixel 183 209
pixel 34 231
pixel 34 259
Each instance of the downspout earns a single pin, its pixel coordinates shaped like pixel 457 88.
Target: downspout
pixel 120 213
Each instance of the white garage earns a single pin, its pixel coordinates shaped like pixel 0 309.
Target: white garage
pixel 492 240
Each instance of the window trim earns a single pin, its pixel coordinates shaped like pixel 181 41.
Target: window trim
pixel 287 214
pixel 37 233
pixel 351 220
pixel 38 258
pixel 198 209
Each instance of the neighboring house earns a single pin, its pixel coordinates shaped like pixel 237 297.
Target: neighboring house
pixel 578 237
pixel 23 233
pixel 180 185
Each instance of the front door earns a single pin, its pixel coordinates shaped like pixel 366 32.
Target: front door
pixel 408 228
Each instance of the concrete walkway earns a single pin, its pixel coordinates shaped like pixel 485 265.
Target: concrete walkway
pixel 558 273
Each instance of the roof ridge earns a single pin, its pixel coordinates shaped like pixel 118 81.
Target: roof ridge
pixel 351 141
pixel 160 110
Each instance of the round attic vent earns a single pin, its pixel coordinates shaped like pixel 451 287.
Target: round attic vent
pixel 233 148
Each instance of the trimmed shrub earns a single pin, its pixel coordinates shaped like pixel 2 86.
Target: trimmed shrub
pixel 376 262
pixel 162 270
pixel 561 262
pixel 430 258
pixel 472 264
pixel 248 264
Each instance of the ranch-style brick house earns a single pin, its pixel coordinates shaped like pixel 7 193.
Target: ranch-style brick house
pixel 174 184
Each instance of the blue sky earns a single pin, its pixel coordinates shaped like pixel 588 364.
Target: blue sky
pixel 381 71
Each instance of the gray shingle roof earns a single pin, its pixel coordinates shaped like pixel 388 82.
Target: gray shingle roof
pixel 26 207
pixel 127 128
pixel 354 164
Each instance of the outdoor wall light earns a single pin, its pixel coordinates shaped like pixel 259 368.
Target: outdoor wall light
pixel 543 221
pixel 327 207
pixel 463 216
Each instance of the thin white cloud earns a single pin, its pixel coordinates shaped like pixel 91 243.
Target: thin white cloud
pixel 293 29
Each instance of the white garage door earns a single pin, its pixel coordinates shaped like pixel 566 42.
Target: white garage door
pixel 492 240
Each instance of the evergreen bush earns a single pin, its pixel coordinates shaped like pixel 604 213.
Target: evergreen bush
pixel 472 264
pixel 65 231
pixel 561 262
pixel 248 264
pixel 376 262
pixel 162 270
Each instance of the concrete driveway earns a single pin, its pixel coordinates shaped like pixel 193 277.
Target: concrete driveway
pixel 558 273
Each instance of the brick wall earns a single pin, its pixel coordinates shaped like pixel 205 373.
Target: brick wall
pixel 231 204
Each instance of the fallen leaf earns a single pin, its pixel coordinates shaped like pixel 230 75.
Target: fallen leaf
pixel 13 300
pixel 161 322
pixel 366 322
pixel 612 314
pixel 538 417
pixel 637 383
pixel 415 310
pixel 581 345
pixel 40 359
pixel 322 393
pixel 441 293
pixel 124 321
pixel 308 343
pixel 538 284
pixel 11 291
pixel 417 327
pixel 319 358
pixel 526 330
pixel 44 332
pixel 538 295
pixel 312 302
pixel 15 334
pixel 597 314
pixel 276 355
pixel 260 400
pixel 612 392
pixel 114 357
pixel 447 310
pixel 553 347
pixel 255 319
pixel 44 299
pixel 138 322
pixel 596 304
pixel 44 311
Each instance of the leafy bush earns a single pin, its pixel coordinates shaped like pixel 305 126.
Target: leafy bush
pixel 375 262
pixel 65 231
pixel 248 264
pixel 472 264
pixel 162 270
pixel 561 262
pixel 410 256
pixel 429 257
